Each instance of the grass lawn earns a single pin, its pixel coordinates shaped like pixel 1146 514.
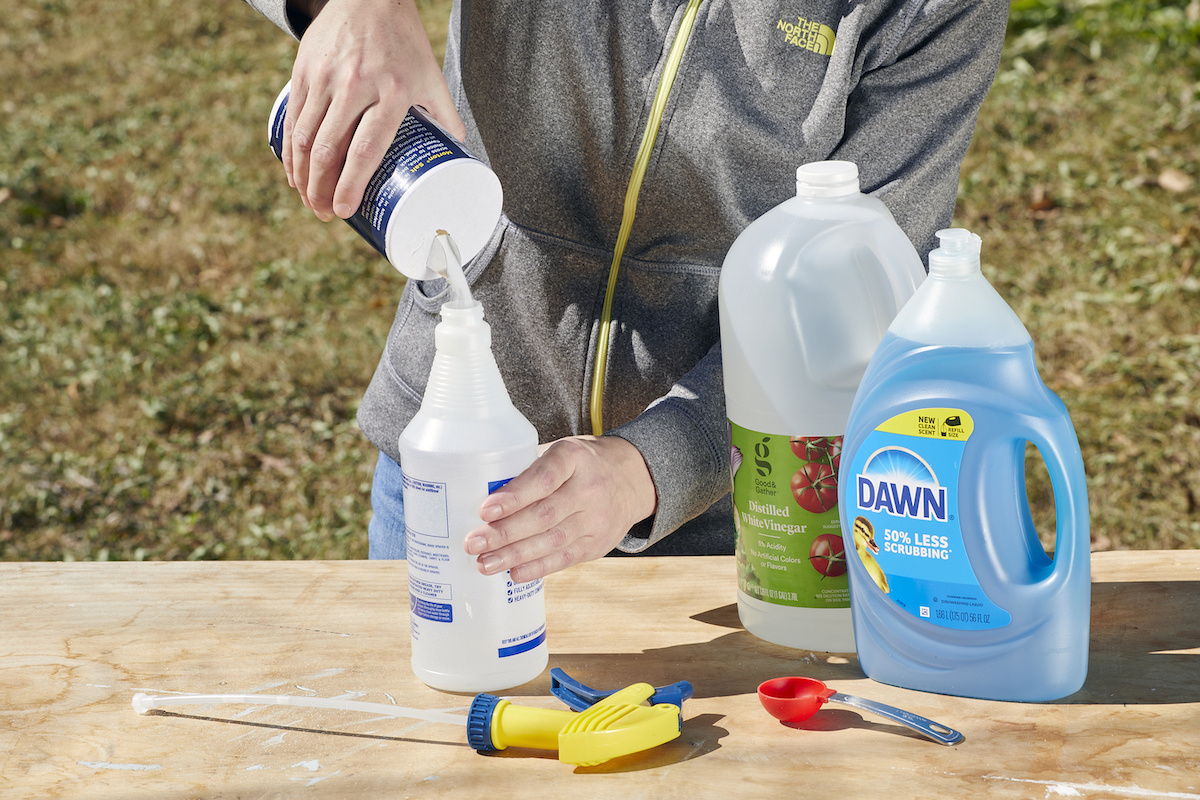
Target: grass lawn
pixel 183 346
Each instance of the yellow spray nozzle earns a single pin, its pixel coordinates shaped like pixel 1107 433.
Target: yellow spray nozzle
pixel 607 731
pixel 521 726
pixel 615 726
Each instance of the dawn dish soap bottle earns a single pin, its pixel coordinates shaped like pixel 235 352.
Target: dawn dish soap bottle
pixel 952 591
pixel 806 293
pixel 470 632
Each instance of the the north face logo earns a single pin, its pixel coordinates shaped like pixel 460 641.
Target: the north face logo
pixel 810 35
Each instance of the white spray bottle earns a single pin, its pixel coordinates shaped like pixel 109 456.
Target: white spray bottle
pixel 470 632
pixel 807 291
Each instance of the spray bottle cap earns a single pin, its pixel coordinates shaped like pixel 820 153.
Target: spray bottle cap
pixel 827 179
pixel 958 255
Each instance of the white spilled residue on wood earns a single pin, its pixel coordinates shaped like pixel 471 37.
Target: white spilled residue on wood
pixel 1067 789
pixel 130 767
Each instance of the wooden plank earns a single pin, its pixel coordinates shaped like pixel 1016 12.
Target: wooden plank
pixel 80 639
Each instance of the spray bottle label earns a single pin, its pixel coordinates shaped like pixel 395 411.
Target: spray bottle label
pixel 789 544
pixel 436 586
pixel 903 498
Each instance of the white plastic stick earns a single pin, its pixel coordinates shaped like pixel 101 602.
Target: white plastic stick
pixel 143 702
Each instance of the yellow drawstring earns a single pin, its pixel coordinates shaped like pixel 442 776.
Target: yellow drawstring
pixel 631 197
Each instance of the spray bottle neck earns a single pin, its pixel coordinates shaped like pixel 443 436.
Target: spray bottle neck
pixel 462 330
pixel 464 378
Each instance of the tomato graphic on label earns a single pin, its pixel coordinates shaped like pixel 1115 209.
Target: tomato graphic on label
pixel 828 555
pixel 826 449
pixel 815 487
pixel 811 448
pixel 835 453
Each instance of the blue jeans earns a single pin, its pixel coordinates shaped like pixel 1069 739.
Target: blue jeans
pixel 385 532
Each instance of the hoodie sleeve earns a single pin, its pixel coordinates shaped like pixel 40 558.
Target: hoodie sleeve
pixel 289 20
pixel 684 439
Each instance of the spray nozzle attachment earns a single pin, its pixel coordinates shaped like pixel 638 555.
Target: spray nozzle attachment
pixel 615 724
pixel 958 253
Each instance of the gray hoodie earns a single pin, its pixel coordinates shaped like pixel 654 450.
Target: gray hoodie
pixel 556 96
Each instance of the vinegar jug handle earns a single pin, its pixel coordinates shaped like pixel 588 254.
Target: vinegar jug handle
pixel 846 290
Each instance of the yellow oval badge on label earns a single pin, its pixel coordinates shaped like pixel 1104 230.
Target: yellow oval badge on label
pixel 951 424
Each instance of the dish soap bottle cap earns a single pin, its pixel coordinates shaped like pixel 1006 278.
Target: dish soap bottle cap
pixel 958 255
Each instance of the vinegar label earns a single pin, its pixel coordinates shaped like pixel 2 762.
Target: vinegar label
pixel 789 534
pixel 903 497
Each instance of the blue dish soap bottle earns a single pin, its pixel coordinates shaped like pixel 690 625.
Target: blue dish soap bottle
pixel 951 590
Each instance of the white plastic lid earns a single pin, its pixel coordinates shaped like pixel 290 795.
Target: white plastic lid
pixel 459 195
pixel 957 255
pixel 827 179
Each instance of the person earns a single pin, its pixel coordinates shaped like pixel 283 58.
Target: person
pixel 634 140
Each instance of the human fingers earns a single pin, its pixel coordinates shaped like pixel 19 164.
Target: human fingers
pixel 296 97
pixel 286 154
pixel 576 539
pixel 361 63
pixel 574 504
pixel 329 152
pixel 523 508
pixel 374 134
pixel 441 108
pixel 304 126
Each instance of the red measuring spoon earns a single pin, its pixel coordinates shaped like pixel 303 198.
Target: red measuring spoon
pixel 797 699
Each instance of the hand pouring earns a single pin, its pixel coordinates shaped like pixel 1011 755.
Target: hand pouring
pixel 797 699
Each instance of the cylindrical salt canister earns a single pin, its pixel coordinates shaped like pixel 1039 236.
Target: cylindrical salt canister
pixel 428 181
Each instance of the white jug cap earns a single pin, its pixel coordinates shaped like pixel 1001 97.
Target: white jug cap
pixel 827 179
pixel 958 253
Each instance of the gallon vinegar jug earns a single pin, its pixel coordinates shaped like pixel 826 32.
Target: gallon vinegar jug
pixel 806 293
pixel 951 588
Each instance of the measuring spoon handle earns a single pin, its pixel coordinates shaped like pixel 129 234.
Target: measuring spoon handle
pixel 926 727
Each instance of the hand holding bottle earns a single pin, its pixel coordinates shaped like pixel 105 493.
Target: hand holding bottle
pixel 574 504
pixel 360 66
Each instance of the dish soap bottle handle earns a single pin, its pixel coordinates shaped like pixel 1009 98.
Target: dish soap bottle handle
pixel 1064 462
